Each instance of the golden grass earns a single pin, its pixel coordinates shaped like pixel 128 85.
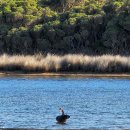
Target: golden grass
pixel 66 63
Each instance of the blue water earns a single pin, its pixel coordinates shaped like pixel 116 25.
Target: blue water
pixel 91 103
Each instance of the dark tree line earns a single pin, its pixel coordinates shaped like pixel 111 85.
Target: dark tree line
pixel 65 26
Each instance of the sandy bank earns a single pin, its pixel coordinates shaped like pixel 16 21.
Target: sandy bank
pixel 66 74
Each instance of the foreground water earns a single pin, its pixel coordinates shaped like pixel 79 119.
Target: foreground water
pixel 91 103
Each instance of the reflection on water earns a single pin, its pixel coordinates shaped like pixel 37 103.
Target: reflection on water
pixel 91 103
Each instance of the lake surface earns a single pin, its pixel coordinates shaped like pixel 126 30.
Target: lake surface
pixel 91 103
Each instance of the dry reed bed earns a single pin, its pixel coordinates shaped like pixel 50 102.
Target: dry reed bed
pixel 66 63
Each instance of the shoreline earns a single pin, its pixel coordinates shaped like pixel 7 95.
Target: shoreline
pixel 66 74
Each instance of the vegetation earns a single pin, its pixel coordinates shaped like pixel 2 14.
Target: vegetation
pixel 65 26
pixel 66 63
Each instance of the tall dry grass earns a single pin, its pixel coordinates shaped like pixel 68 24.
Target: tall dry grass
pixel 66 63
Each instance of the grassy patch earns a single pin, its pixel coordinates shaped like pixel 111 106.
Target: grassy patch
pixel 66 63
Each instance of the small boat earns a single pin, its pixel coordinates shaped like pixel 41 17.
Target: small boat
pixel 62 118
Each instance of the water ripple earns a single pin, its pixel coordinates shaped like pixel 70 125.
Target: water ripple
pixel 93 104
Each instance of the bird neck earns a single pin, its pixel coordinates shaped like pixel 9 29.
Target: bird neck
pixel 62 112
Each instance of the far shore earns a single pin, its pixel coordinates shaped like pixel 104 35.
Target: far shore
pixel 68 65
pixel 66 74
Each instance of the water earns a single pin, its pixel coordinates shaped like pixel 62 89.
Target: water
pixel 91 103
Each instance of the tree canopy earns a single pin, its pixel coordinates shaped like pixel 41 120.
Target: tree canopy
pixel 65 26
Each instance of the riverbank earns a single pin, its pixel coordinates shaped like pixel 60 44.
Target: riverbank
pixel 70 65
pixel 65 74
